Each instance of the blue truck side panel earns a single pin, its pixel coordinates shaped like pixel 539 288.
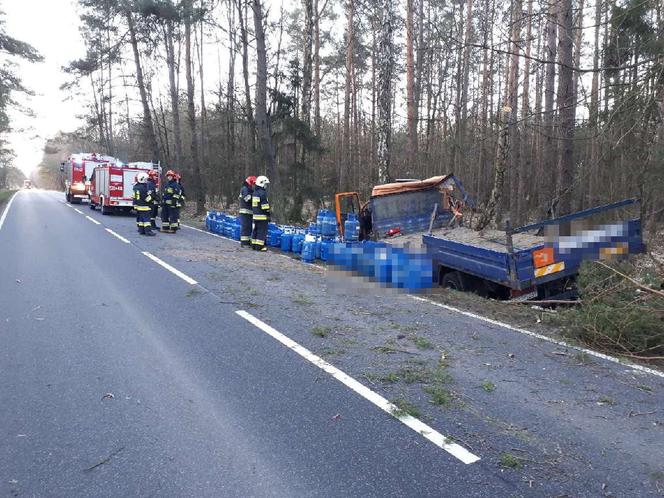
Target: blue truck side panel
pixel 494 266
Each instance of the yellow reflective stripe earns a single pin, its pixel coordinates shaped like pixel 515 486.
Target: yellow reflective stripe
pixel 265 206
pixel 258 242
pixel 548 270
pixel 169 190
pixel 244 238
pixel 255 201
pixel 169 202
pixel 260 217
pixel 246 211
pixel 142 208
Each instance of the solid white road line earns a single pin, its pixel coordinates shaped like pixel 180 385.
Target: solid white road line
pixel 590 352
pixel 175 271
pixel 4 213
pixel 117 235
pixel 209 233
pixel 92 220
pixel 429 433
pixel 78 211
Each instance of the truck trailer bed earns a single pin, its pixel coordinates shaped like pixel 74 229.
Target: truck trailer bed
pixel 493 240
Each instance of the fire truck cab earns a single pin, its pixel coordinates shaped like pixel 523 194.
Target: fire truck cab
pixel 78 170
pixel 111 186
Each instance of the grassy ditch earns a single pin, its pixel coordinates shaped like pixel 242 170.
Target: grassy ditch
pixel 5 195
pixel 622 308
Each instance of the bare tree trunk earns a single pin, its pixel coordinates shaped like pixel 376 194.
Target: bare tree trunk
pixel 566 107
pixel 173 87
pixel 196 183
pixel 262 120
pixel 525 164
pixel 345 164
pixel 385 71
pixel 305 104
pixel 463 100
pixel 230 88
pixel 594 106
pixel 316 82
pixel 410 85
pixel 549 152
pixel 248 108
pixel 492 211
pixel 149 134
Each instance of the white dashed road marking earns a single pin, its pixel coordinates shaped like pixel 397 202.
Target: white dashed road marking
pixel 93 220
pixel 117 235
pixel 423 429
pixel 174 271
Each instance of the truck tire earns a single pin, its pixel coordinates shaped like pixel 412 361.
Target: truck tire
pixel 92 205
pixel 104 210
pixel 454 280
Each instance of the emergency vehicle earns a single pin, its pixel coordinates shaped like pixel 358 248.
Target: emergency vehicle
pixel 78 170
pixel 111 186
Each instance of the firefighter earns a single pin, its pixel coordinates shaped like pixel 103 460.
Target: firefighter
pixel 170 210
pixel 246 210
pixel 180 203
pixel 143 200
pixel 153 182
pixel 261 213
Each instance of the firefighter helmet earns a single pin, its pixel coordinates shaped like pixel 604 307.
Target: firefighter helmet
pixel 172 173
pixel 251 181
pixel 262 181
pixel 142 177
pixel 153 174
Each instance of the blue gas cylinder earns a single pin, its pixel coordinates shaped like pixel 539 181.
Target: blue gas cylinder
pixel 308 251
pixel 319 220
pixel 352 228
pixel 296 244
pixel 317 248
pixel 325 249
pixel 314 228
pixel 286 241
pixel 274 234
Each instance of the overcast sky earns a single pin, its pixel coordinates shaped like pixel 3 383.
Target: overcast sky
pixel 51 26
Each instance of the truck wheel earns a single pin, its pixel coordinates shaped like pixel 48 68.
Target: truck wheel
pixel 92 205
pixel 454 280
pixel 104 210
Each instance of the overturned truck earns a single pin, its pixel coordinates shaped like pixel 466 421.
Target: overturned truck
pixel 538 260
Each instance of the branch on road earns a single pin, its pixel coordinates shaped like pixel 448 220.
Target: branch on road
pixel 105 460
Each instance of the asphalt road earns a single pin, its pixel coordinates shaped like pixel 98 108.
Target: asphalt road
pixel 121 377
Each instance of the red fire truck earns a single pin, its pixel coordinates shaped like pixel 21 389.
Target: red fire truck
pixel 112 185
pixel 78 169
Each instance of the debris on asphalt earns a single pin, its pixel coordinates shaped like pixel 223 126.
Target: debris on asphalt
pixel 105 460
pixel 108 395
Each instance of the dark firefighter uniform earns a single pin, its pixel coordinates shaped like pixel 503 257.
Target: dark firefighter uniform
pixel 246 214
pixel 154 209
pixel 180 204
pixel 261 215
pixel 143 199
pixel 170 206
